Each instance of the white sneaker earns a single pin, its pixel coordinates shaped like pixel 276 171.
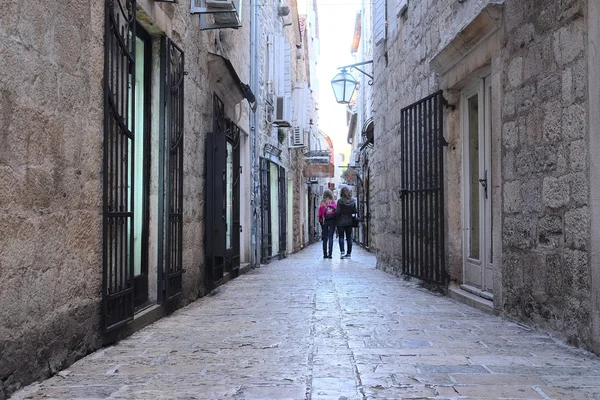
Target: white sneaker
pixel 342 255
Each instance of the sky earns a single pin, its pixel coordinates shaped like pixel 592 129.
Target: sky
pixel 336 28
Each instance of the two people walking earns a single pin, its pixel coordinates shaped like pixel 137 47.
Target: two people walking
pixel 338 215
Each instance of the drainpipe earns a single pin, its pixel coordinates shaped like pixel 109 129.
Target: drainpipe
pixel 254 171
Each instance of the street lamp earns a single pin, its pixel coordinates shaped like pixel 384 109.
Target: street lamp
pixel 344 84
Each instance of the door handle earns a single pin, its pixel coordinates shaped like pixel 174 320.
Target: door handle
pixel 483 183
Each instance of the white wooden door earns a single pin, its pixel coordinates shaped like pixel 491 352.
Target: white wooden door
pixel 477 197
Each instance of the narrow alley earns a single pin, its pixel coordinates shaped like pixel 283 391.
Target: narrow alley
pixel 309 328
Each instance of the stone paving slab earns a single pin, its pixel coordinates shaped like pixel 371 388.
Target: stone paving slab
pixel 311 328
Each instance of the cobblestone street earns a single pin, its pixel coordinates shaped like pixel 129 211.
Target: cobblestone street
pixel 311 328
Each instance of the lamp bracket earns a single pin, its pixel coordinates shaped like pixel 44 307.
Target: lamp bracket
pixel 355 66
pixel 448 105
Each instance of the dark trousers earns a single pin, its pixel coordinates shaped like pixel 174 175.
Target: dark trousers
pixel 328 229
pixel 345 230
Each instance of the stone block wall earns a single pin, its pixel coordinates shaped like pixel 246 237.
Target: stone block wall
pixel 545 171
pixel 291 159
pixel 51 157
pixel 403 73
pixel 50 176
pixel 545 207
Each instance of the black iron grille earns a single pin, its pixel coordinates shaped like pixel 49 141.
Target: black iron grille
pixel 422 181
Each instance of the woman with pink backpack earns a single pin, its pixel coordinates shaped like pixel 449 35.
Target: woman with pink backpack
pixel 328 221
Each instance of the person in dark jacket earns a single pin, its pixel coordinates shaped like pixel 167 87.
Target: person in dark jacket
pixel 346 207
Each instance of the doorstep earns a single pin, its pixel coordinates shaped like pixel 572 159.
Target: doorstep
pixel 245 267
pixel 480 301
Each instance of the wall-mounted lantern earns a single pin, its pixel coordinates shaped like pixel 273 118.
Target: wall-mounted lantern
pixel 344 84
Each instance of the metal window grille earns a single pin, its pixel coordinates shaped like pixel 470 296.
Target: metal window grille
pixel 215 220
pixel 422 179
pixel 173 164
pixel 266 242
pixel 232 256
pixel 119 128
pixel 282 212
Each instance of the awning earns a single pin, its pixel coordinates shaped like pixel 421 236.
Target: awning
pixel 227 83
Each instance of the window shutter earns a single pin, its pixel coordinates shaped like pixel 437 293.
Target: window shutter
pixel 270 64
pixel 279 66
pixel 379 25
pixel 287 70
pixel 301 105
pixel 283 51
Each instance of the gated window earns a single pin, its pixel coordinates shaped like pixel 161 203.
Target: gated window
pixel 273 209
pixel 216 226
pixel 232 254
pixel 282 211
pixel 127 71
pixel 422 193
pixel 172 151
pixel 222 219
pixel 140 148
pixel 266 240
pixel 118 159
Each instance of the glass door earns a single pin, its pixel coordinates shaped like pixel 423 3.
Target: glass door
pixel 477 216
pixel 138 185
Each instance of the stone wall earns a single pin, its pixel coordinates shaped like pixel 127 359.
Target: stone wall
pixel 543 135
pixel 291 159
pixel 545 171
pixel 403 73
pixel 50 176
pixel 51 157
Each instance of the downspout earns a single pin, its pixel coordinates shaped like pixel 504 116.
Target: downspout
pixel 254 171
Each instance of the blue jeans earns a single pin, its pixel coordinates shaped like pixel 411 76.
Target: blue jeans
pixel 348 231
pixel 328 229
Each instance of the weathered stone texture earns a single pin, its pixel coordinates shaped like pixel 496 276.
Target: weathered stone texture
pixel 551 40
pixel 51 149
pixel 544 157
pixel 50 159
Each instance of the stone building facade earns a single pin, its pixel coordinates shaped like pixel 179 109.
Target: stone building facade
pixel 287 120
pixel 100 237
pixel 519 112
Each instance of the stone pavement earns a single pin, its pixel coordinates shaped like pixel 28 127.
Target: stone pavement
pixel 309 328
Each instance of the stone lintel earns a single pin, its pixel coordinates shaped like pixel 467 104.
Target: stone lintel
pixel 153 18
pixel 482 26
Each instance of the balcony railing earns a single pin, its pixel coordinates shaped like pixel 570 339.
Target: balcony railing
pixel 318 157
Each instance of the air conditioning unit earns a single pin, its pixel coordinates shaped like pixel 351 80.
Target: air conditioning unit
pixel 297 137
pixel 283 111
